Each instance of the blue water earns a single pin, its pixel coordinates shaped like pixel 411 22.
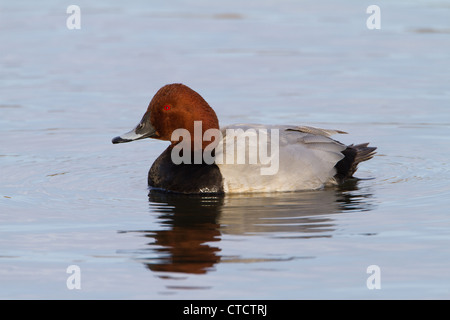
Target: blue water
pixel 70 197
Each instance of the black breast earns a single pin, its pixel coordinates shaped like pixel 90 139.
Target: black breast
pixel 184 178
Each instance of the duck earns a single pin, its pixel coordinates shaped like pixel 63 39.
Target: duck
pixel 204 158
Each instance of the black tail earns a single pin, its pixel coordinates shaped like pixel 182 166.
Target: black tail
pixel 353 155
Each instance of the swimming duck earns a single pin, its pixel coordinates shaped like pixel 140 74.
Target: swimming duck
pixel 204 158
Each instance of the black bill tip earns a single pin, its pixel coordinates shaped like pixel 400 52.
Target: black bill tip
pixel 119 140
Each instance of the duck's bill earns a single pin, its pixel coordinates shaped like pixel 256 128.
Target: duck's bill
pixel 143 130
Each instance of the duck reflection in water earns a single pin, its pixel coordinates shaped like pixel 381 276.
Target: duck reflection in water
pixel 191 226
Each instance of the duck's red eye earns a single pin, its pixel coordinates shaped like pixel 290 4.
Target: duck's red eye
pixel 166 107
